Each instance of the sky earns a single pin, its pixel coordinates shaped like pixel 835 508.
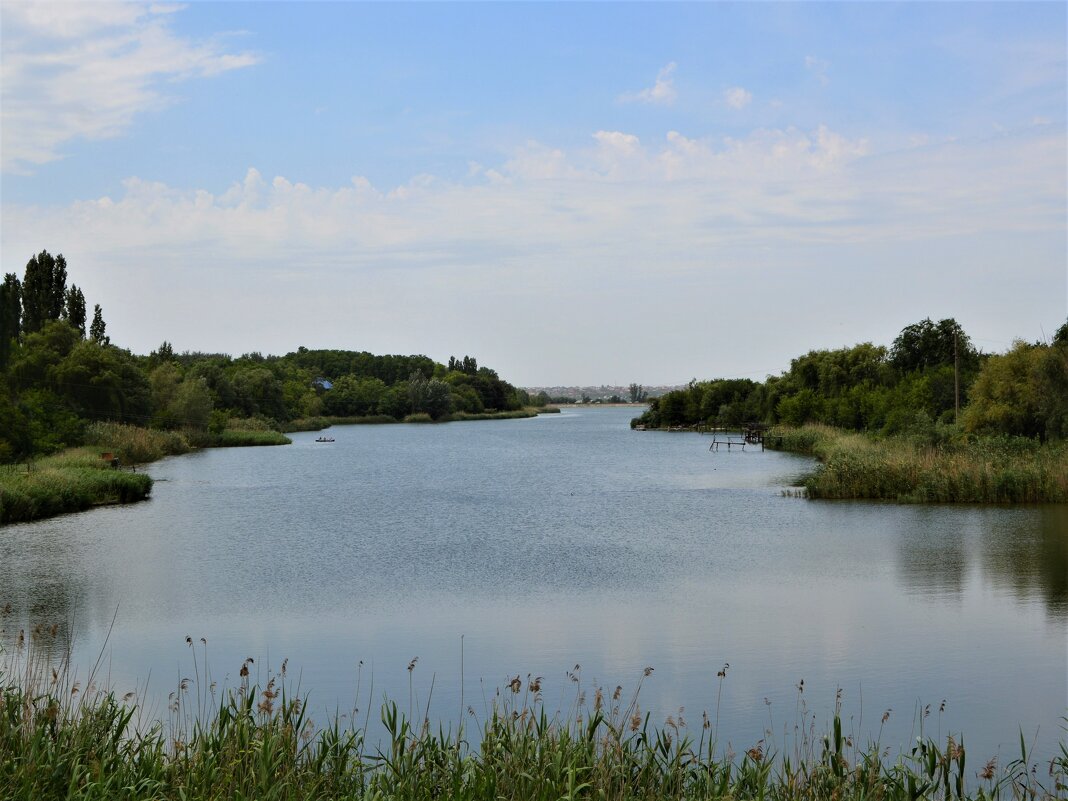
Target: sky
pixel 573 193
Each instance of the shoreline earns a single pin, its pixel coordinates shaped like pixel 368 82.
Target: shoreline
pixel 80 478
pixel 909 470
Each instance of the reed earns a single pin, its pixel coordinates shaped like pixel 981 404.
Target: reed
pixel 61 736
pixel 135 445
pixel 908 470
pixel 507 415
pixel 66 482
pixel 239 438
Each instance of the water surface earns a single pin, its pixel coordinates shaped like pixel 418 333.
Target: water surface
pixel 558 541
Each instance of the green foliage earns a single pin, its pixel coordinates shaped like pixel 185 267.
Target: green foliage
pixel 98 327
pixel 74 308
pixel 926 344
pixel 10 316
pixel 1023 392
pixel 910 389
pixel 53 378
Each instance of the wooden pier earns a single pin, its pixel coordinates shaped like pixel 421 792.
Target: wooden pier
pixel 752 434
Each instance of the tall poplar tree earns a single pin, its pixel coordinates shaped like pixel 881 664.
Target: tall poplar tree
pixel 10 315
pixel 74 312
pixel 44 291
pixel 96 330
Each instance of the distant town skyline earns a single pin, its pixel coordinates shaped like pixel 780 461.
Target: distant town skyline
pixel 576 194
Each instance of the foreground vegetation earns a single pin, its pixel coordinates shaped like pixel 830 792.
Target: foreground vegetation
pixel 60 739
pixel 911 470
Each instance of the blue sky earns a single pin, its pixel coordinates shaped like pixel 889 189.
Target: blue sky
pixel 574 193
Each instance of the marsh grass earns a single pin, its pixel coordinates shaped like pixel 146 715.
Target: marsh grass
pixel 64 737
pixel 911 470
pixel 240 438
pixel 70 481
pixel 508 415
pixel 135 445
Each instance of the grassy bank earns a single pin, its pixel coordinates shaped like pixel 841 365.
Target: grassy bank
pixel 907 470
pixel 62 739
pixel 71 481
pixel 80 478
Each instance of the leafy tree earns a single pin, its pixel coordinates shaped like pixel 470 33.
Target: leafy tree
pixel 44 290
pixel 191 405
pixel 927 344
pixel 1061 337
pixel 97 329
pixel 1022 392
pixel 437 402
pixel 164 381
pixel 74 308
pixel 104 383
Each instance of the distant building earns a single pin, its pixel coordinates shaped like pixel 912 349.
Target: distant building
pixel 322 383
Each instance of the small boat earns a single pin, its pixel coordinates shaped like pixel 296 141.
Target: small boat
pixel 325 439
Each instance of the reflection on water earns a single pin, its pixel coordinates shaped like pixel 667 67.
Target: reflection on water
pixel 559 540
pixel 1022 551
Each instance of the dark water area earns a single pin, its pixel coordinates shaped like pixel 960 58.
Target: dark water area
pixel 532 546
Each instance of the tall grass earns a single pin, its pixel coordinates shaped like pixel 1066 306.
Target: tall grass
pixel 986 470
pixel 61 737
pixel 236 438
pixel 67 482
pixel 135 445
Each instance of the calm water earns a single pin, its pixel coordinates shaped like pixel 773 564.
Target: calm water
pixel 556 541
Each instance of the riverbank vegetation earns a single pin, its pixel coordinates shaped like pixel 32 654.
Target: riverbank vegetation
pixel 64 384
pixel 71 481
pixel 58 376
pixel 995 469
pixel 60 738
pixel 928 419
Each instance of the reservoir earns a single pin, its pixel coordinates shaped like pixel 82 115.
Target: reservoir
pixel 501 548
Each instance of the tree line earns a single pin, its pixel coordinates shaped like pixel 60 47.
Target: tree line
pixel 931 382
pixel 56 375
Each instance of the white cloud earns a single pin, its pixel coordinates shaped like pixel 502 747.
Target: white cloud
pixel 661 93
pixel 86 70
pixel 737 97
pixel 818 67
pixel 520 257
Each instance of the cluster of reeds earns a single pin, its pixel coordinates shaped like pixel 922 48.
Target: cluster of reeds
pixel 239 437
pixel 66 482
pixel 62 738
pixel 133 444
pixel 985 470
pixel 529 411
